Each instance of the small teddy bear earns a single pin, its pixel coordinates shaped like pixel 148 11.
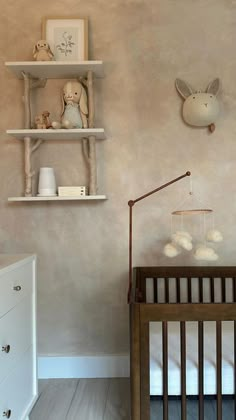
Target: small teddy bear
pixel 42 51
pixel 42 121
pixel 46 120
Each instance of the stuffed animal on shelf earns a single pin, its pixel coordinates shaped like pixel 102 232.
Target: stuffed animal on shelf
pixel 74 106
pixel 42 121
pixel 42 51
pixel 200 109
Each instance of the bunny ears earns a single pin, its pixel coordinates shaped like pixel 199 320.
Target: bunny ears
pixel 200 109
pixel 185 90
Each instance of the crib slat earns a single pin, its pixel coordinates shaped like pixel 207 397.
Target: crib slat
pixel 235 370
pixel 155 280
pixel 189 290
pixel 234 289
pixel 200 371
pixel 144 371
pixel 212 290
pixel 167 291
pixel 200 289
pixel 219 368
pixel 165 368
pixel 183 369
pixel 178 289
pixel 223 295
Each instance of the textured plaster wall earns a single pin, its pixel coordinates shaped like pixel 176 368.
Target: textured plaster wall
pixel 82 247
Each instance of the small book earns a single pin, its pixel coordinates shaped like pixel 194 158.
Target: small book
pixel 72 191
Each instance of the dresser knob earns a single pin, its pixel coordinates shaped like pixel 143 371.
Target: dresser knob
pixel 6 348
pixel 7 414
pixel 17 288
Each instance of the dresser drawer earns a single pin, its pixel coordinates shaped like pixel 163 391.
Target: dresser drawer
pixel 17 390
pixel 19 278
pixel 16 335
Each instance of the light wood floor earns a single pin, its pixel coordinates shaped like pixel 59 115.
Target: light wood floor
pixel 82 399
pixel 107 399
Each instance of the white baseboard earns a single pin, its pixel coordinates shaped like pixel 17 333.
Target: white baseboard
pixel 110 366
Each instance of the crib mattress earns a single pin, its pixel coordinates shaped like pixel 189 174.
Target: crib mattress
pixel 174 368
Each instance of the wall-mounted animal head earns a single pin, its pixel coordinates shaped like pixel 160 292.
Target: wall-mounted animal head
pixel 200 109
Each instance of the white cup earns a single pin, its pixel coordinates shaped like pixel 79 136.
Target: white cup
pixel 47 182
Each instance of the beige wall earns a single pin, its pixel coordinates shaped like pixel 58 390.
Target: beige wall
pixel 82 247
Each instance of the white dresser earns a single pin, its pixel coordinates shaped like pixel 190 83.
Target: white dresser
pixel 18 365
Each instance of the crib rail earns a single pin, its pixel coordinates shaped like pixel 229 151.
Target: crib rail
pixel 190 284
pixel 170 301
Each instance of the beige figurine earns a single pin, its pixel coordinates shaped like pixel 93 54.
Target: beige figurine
pixel 42 51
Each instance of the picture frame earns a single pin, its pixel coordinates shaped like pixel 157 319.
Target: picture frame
pixel 67 37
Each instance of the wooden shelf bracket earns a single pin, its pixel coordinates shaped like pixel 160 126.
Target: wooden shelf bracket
pixel 89 144
pixel 29 144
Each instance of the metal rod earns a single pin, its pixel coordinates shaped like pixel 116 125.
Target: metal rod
pixel 161 187
pixel 131 203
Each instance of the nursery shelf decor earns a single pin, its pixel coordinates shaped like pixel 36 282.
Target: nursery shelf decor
pixel 61 53
pixel 35 75
pixel 203 232
pixel 131 204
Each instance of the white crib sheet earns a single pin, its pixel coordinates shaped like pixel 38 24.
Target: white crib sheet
pixel 174 383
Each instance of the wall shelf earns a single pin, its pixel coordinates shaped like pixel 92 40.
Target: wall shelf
pixel 57 198
pixel 62 134
pixel 55 69
pixel 34 74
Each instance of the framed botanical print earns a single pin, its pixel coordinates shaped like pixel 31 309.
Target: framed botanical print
pixel 68 38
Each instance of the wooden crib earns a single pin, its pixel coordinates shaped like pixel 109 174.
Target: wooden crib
pixel 146 307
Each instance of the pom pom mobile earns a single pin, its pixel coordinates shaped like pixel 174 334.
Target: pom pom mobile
pixel 181 239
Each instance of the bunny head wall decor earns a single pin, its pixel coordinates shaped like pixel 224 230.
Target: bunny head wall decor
pixel 200 109
pixel 74 106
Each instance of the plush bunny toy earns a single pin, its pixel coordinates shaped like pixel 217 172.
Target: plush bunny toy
pixel 42 51
pixel 74 106
pixel 200 109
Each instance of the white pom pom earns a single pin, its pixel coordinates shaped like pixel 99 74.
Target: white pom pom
pixel 67 124
pixel 56 125
pixel 170 250
pixel 185 234
pixel 184 239
pixel 214 235
pixel 205 253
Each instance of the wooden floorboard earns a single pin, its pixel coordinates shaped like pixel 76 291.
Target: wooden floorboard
pixel 43 383
pixel 118 400
pixel 89 401
pixel 108 399
pixel 54 400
